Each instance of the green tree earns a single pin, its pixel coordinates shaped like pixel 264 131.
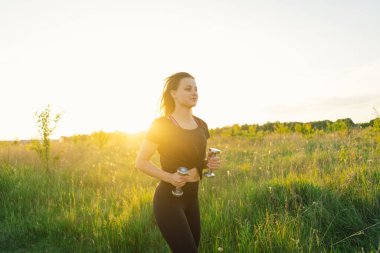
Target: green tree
pixel 46 123
pixel 281 128
pixel 252 129
pixel 307 129
pixel 338 125
pixel 376 124
pixel 235 130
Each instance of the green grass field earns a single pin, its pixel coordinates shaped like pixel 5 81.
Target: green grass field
pixel 273 193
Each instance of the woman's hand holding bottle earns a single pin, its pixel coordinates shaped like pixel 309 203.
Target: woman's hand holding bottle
pixel 177 180
pixel 213 161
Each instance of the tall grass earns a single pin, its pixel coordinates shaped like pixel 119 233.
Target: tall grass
pixel 276 193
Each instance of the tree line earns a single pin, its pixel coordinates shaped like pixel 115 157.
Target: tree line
pixel 309 128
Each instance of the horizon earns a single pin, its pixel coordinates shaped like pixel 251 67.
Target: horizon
pixel 56 138
pixel 103 65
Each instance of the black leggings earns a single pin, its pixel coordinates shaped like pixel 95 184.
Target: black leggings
pixel 178 218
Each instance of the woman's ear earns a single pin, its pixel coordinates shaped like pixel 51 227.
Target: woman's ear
pixel 173 93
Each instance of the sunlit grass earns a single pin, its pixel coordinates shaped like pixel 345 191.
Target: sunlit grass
pixel 276 193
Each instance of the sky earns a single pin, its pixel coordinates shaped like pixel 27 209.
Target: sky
pixel 102 64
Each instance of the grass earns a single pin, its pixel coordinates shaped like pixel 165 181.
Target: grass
pixel 275 193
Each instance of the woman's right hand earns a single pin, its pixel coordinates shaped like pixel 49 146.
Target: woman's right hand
pixel 177 180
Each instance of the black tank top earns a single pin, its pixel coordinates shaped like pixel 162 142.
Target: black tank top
pixel 178 146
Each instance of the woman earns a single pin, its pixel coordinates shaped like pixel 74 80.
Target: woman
pixel 181 140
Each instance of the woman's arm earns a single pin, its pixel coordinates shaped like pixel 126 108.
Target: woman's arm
pixel 143 162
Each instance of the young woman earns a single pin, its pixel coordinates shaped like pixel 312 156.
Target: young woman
pixel 181 140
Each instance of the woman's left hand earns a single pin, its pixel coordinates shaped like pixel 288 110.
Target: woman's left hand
pixel 213 162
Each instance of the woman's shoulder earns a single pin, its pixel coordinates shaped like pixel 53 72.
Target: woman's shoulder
pixel 203 123
pixel 157 129
pixel 203 126
pixel 161 119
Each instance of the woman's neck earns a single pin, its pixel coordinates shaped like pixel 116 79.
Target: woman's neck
pixel 183 114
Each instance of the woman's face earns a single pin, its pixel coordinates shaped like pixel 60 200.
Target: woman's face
pixel 186 93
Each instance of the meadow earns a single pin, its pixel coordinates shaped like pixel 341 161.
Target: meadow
pixel 273 193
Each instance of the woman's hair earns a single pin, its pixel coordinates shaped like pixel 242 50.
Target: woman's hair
pixel 171 83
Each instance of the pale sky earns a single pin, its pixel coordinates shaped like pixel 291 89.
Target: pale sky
pixel 103 63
